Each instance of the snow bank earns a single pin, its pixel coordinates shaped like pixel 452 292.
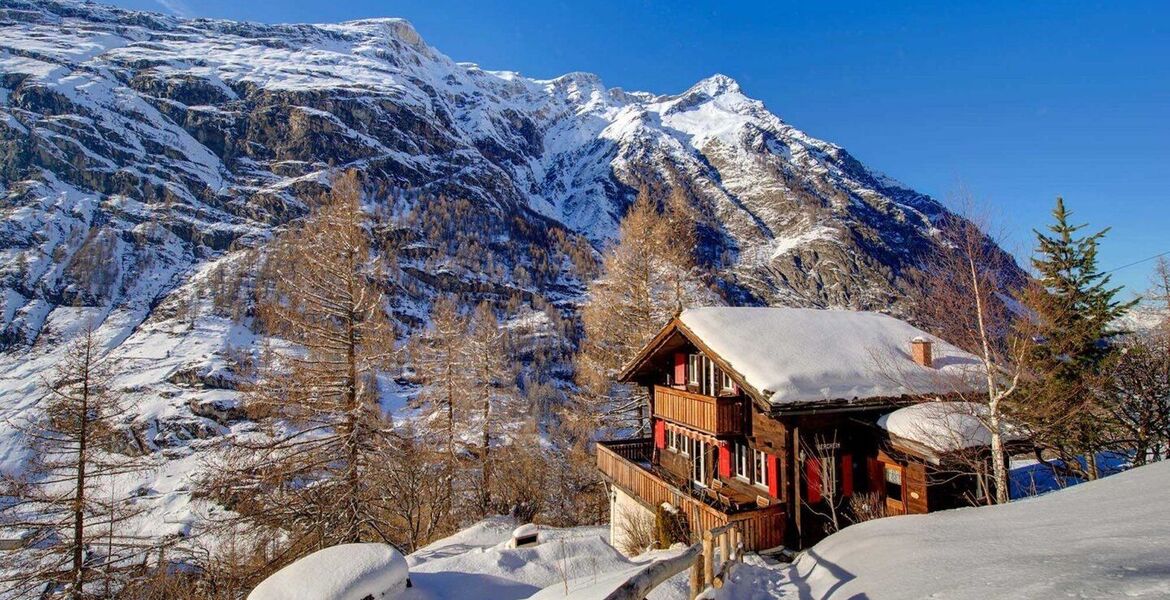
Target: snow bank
pixel 478 562
pixel 1102 539
pixel 943 426
pixel 345 572
pixel 804 355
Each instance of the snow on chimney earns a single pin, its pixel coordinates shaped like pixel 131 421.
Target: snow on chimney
pixel 920 351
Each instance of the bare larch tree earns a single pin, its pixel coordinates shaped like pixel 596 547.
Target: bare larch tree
pixel 493 388
pixel 62 499
pixel 317 467
pixel 648 276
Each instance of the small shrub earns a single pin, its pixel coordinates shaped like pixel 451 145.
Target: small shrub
pixel 638 531
pixel 671 526
pixel 866 506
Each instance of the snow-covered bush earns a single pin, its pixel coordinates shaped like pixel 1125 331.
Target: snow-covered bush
pixel 344 572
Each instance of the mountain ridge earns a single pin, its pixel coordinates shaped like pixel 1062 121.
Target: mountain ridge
pixel 144 157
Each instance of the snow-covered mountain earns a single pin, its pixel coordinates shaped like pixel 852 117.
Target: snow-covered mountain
pixel 143 138
pixel 142 154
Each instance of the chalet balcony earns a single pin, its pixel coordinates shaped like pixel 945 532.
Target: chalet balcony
pixel 717 416
pixel 627 464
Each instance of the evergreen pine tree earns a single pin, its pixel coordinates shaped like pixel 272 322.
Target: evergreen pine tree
pixel 1074 309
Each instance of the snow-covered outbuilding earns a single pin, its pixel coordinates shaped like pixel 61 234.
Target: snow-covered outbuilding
pixel 768 417
pixel 935 429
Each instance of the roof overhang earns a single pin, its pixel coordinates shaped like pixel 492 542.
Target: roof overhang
pixel 675 333
pixel 667 340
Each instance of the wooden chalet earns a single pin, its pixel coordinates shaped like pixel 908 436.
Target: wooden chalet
pixel 769 418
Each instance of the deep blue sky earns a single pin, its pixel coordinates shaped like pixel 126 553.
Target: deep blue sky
pixel 1015 102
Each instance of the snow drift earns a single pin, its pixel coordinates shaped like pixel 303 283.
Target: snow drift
pixel 479 562
pixel 1103 539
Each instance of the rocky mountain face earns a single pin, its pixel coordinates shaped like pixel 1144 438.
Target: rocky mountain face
pixel 166 141
pixel 141 154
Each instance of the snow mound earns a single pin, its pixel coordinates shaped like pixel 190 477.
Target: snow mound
pixel 943 426
pixel 345 572
pixel 479 562
pixel 1108 538
pixel 804 355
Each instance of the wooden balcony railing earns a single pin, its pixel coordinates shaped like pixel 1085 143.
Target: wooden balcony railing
pixel 626 464
pixel 715 416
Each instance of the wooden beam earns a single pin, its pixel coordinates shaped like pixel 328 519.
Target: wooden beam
pixel 696 579
pixel 796 508
pixel 708 559
pixel 638 586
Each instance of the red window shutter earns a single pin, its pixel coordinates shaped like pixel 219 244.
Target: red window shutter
pixel 846 475
pixel 773 477
pixel 659 433
pixel 724 459
pixel 812 480
pixel 877 475
pixel 680 369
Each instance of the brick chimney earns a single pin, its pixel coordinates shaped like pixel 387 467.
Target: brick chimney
pixel 920 351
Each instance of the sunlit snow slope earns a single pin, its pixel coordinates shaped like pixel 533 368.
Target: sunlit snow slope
pixel 1103 539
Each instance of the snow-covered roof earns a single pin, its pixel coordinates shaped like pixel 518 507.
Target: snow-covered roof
pixel 345 572
pixel 796 355
pixel 944 426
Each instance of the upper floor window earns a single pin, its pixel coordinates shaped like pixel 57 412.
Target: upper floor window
pixel 725 382
pixel 704 375
pixel 760 461
pixel 743 461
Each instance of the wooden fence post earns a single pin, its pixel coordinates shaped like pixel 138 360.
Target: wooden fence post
pixel 708 559
pixel 696 579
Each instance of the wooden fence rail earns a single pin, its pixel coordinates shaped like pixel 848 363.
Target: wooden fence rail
pixel 716 416
pixel 625 463
pixel 700 558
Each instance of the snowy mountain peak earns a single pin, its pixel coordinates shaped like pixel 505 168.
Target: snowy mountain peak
pixel 716 85
pixel 396 28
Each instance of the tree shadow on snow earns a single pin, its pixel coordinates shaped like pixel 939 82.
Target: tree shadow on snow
pixel 454 585
pixel 840 577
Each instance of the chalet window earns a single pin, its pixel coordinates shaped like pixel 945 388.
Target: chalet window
pixel 700 467
pixel 702 373
pixel 760 460
pixel 725 382
pixel 743 462
pixel 672 440
pixel 894 483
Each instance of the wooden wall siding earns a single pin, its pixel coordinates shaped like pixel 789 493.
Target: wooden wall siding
pixel 635 450
pixel 715 416
pixel 762 529
pixel 768 432
pixel 914 484
pixel 677 464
